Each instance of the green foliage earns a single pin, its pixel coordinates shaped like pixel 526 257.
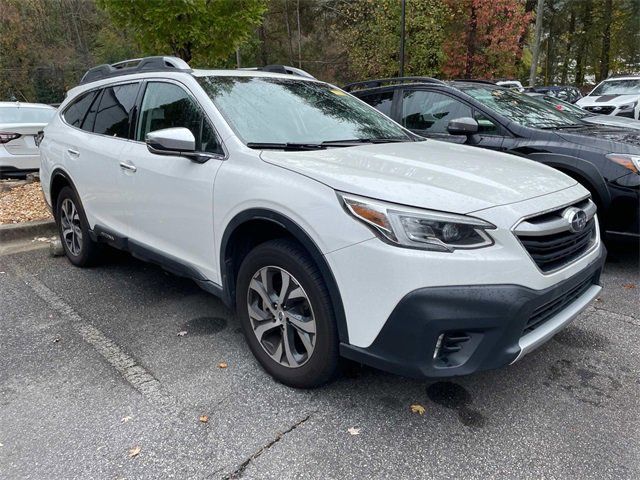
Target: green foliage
pixel 207 31
pixel 371 30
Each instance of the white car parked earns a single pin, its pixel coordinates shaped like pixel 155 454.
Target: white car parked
pixel 19 126
pixel 618 96
pixel 329 228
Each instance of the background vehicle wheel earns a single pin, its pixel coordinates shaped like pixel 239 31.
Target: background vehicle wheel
pixel 74 230
pixel 286 314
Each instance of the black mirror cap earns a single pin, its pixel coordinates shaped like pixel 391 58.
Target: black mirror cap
pixel 463 126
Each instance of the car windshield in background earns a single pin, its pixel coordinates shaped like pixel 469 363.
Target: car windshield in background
pixel 520 108
pixel 617 87
pixel 26 115
pixel 265 110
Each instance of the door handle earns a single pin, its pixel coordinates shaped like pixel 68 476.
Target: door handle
pixel 73 152
pixel 127 166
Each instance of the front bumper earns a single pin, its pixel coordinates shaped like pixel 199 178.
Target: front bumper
pixel 494 319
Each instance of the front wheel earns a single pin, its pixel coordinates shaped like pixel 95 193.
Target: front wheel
pixel 286 314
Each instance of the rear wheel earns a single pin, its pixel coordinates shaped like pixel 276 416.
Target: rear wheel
pixel 286 314
pixel 74 230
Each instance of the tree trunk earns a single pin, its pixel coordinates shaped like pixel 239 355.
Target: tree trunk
pixel 264 51
pixel 567 55
pixel 605 54
pixel 289 41
pixel 471 42
pixel 536 44
pixel 582 53
pixel 299 34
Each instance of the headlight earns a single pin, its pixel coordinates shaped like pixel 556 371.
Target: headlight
pixel 628 161
pixel 628 106
pixel 417 228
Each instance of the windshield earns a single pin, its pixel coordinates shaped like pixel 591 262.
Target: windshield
pixel 26 115
pixel 521 108
pixel 282 110
pixel 566 107
pixel 617 87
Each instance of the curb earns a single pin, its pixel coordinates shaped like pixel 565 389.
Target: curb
pixel 27 230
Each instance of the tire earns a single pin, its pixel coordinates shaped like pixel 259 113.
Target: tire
pixel 78 246
pixel 295 341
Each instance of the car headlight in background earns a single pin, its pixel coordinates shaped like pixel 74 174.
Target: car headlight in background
pixel 417 228
pixel 627 160
pixel 628 106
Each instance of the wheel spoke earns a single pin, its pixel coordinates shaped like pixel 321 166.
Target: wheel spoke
pixel 260 290
pixel 306 341
pixel 284 289
pixel 263 328
pixel 258 314
pixel 287 340
pixel 307 326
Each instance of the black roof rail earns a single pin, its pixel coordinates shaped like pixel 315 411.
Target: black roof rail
pixel 378 82
pixel 471 80
pixel 135 65
pixel 619 75
pixel 286 69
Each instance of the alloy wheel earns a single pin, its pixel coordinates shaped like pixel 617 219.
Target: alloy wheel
pixel 71 229
pixel 281 316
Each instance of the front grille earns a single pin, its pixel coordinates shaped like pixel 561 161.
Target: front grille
pixel 551 252
pixel 544 312
pixel 604 110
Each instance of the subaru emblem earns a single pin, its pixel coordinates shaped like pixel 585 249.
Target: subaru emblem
pixel 576 218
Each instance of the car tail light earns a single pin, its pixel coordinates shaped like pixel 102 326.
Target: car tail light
pixel 6 137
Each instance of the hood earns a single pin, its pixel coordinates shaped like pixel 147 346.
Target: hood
pixel 430 174
pixel 613 121
pixel 602 100
pixel 604 137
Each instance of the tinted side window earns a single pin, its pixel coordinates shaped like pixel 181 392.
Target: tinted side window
pixel 112 116
pixel 75 113
pixel 380 101
pixel 166 105
pixel 431 111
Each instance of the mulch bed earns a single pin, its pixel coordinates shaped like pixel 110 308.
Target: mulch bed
pixel 22 202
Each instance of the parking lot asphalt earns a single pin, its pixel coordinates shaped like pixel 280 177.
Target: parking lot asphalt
pixel 98 380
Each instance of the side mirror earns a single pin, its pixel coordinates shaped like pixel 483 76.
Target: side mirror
pixel 171 141
pixel 462 126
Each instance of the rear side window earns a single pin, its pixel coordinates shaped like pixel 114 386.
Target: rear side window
pixel 166 105
pixel 75 113
pixel 380 101
pixel 113 113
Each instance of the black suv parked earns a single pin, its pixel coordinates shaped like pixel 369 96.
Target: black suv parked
pixel 606 160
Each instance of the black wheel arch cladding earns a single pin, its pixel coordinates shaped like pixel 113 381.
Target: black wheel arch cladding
pixel 229 269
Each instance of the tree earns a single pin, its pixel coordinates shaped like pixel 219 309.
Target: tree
pixel 207 31
pixel 371 30
pixel 483 38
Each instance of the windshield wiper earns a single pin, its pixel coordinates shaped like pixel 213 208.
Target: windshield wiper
pixel 286 146
pixel 358 141
pixel 561 127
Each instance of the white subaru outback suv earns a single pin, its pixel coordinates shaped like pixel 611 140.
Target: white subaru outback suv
pixel 331 230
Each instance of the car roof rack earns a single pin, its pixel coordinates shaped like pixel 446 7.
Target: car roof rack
pixel 471 80
pixel 286 69
pixel 620 75
pixel 378 82
pixel 135 65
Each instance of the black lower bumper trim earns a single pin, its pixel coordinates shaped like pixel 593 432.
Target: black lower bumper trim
pixel 490 318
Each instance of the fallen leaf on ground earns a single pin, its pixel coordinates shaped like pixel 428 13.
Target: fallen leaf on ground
pixel 204 418
pixel 417 408
pixel 133 452
pixel 125 419
pixel 629 285
pixel 22 203
pixel 222 365
pixel 353 431
pixel 182 333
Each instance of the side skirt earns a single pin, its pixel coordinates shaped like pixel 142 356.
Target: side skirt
pixel 151 255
